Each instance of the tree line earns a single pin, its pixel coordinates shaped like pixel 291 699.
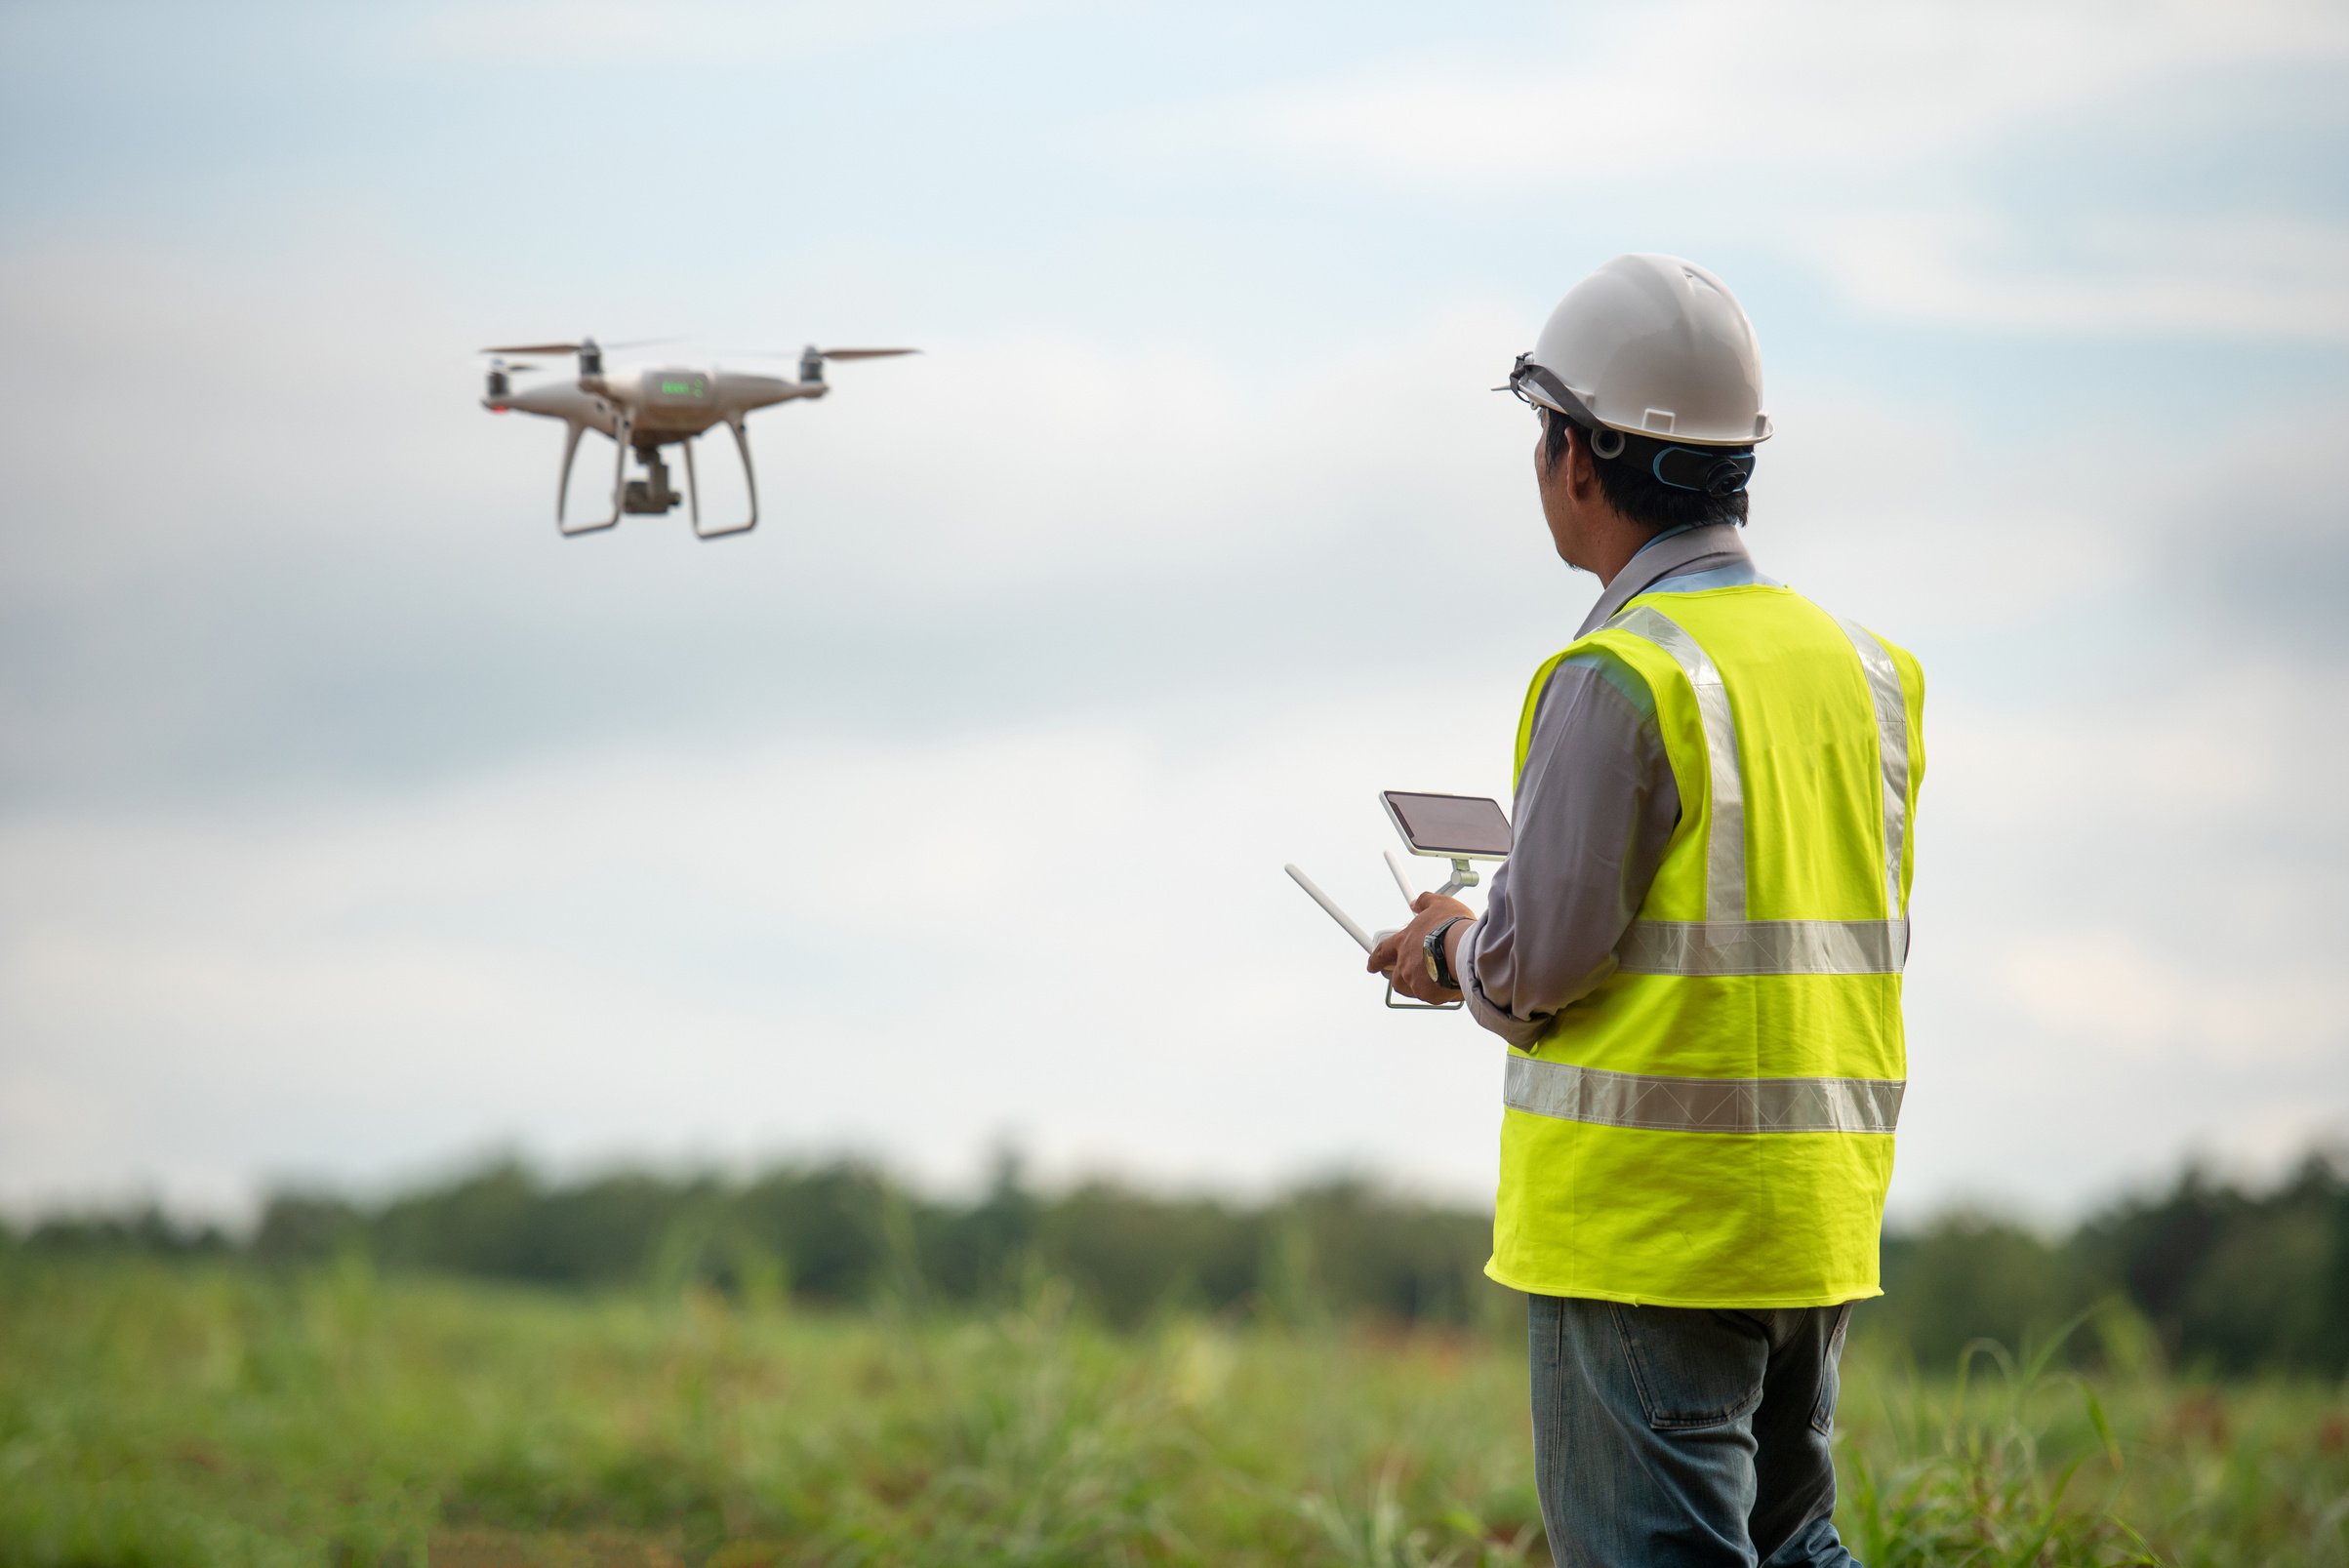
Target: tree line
pixel 2207 1274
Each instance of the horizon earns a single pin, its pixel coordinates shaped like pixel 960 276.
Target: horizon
pixel 2261 1180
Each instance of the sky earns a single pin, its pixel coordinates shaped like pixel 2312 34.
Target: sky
pixel 352 824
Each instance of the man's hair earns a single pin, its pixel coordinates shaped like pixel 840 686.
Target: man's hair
pixel 1633 492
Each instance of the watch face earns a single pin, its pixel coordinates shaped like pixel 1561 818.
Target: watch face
pixel 1435 951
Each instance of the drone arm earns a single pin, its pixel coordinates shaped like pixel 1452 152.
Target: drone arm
pixel 741 444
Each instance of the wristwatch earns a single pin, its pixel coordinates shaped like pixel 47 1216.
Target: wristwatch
pixel 1439 967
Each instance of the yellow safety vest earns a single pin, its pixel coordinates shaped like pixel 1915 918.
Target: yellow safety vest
pixel 1712 1126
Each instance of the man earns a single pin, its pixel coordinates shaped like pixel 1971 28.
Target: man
pixel 1694 955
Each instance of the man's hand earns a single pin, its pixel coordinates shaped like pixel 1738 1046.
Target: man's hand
pixel 1403 957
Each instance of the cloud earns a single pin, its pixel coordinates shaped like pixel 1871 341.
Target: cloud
pixel 1811 128
pixel 2109 988
pixel 1711 86
pixel 2285 280
pixel 2256 549
pixel 2219 740
pixel 273 398
pixel 1889 513
pixel 537 36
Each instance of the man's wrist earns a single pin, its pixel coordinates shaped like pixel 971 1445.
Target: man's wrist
pixel 1441 967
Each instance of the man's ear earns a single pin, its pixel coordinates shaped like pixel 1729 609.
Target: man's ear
pixel 1567 455
pixel 1582 472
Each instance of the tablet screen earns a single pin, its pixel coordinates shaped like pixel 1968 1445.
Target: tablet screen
pixel 1451 824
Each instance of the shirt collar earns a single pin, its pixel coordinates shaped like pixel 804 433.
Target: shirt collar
pixel 1668 555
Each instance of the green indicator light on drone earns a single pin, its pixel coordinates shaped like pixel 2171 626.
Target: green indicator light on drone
pixel 691 388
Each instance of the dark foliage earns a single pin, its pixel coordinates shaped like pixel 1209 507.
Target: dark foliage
pixel 147 1228
pixel 2227 1280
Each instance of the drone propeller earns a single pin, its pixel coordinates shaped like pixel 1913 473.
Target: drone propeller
pixel 572 349
pixel 817 353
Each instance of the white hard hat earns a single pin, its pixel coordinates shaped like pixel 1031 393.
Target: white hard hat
pixel 1653 347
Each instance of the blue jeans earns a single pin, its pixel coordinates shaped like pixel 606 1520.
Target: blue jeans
pixel 1666 1436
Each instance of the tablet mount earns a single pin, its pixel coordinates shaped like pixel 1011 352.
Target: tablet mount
pixel 1464 875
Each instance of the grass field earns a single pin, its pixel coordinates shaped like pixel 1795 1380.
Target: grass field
pixel 154 1414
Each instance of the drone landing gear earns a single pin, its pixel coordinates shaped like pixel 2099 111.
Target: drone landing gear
pixel 693 488
pixel 621 488
pixel 572 431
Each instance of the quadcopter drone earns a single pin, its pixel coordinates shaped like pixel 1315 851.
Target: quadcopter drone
pixel 645 410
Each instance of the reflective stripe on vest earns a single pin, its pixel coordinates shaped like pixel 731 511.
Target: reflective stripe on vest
pixel 1893 744
pixel 1726 850
pixel 1762 947
pixel 1702 1104
pixel 1728 943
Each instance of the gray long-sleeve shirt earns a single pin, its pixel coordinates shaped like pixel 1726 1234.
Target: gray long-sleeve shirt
pixel 1594 808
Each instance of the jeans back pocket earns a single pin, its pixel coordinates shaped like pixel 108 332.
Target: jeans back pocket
pixel 1692 1367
